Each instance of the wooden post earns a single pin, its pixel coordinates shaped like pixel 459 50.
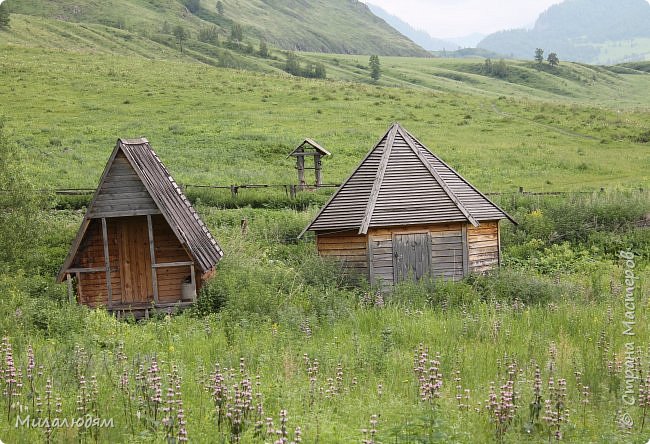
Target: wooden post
pixel 79 289
pixel 300 160
pixel 465 251
pixel 521 189
pixel 371 271
pixel 499 243
pixel 317 170
pixel 292 191
pixel 244 226
pixel 233 190
pixel 107 264
pixel 152 252
pixel 70 294
pixel 193 281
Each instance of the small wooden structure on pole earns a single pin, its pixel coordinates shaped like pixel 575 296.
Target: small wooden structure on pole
pixel 309 148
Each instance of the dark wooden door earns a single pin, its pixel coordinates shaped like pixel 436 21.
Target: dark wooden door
pixel 135 260
pixel 411 256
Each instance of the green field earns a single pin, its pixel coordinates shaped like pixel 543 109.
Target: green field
pixel 555 308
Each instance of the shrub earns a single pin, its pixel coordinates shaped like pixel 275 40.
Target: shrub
pixel 508 285
pixel 433 292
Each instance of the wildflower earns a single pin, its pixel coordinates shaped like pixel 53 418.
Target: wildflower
pixel 371 433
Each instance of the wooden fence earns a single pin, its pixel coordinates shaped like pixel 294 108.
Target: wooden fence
pixel 292 190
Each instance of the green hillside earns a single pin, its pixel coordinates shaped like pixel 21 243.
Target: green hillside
pixel 220 126
pixel 295 25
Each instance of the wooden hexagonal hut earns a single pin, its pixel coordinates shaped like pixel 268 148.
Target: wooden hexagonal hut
pixel 141 245
pixel 404 212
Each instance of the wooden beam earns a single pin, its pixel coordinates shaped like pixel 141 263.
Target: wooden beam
pixel 193 281
pixel 318 169
pixel 79 289
pixel 85 270
pixel 498 244
pixel 107 264
pixel 70 294
pixel 376 186
pixel 125 213
pixel 300 165
pixel 173 264
pixel 440 181
pixel 152 252
pixel 465 252
pixel 371 274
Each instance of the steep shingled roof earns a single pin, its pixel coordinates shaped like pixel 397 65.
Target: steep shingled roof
pixel 400 182
pixel 167 197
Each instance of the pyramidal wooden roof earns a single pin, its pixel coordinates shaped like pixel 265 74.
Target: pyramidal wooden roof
pixel 401 182
pixel 151 190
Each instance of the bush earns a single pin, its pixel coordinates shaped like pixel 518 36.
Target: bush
pixel 507 285
pixel 433 292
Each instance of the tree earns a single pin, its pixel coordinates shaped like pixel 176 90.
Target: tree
pixel 220 7
pixel 209 35
pixel 4 17
pixel 193 5
pixel 236 33
pixel 264 49
pixel 487 67
pixel 553 59
pixel 181 35
pixel 375 68
pixel 539 55
pixel 500 69
pixel 319 71
pixel 20 206
pixel 292 65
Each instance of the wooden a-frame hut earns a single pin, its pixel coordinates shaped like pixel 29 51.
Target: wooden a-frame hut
pixel 141 245
pixel 405 213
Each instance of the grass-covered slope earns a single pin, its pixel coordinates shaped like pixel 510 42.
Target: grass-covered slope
pixel 339 26
pixel 213 125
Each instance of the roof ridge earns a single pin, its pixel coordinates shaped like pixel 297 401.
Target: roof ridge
pixel 379 178
pixel 340 188
pixel 437 177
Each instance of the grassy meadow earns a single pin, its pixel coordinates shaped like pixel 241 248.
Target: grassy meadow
pixel 534 352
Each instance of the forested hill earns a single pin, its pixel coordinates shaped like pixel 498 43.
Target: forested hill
pixel 333 26
pixel 592 31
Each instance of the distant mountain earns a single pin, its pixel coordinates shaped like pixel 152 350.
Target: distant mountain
pixel 468 41
pixel 591 31
pixel 332 26
pixel 420 37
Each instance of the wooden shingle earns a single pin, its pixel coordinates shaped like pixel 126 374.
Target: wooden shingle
pixel 401 182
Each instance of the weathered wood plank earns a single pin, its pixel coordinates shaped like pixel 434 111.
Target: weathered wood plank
pixel 173 264
pixel 152 252
pixel 128 213
pixel 107 262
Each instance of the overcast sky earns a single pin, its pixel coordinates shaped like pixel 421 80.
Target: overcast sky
pixel 457 18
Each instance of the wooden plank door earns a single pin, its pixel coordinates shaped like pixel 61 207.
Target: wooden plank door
pixel 411 256
pixel 135 260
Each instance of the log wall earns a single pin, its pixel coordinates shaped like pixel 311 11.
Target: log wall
pixel 91 287
pixel 167 249
pixel 483 243
pixel 130 259
pixel 349 246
